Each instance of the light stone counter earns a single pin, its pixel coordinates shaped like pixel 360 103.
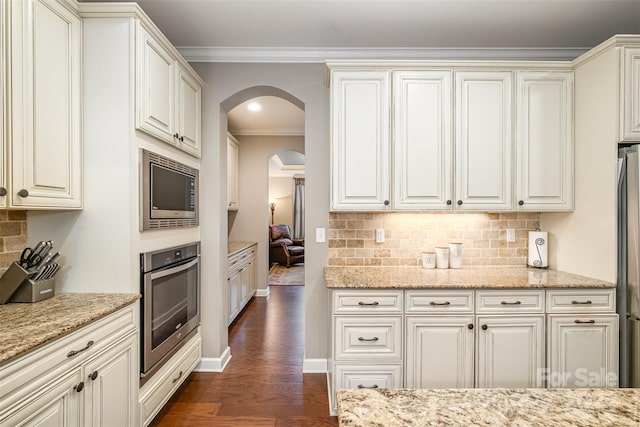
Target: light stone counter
pixel 235 247
pixel 489 407
pixel 26 326
pixel 471 277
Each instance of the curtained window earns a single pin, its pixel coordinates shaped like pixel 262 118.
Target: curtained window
pixel 298 208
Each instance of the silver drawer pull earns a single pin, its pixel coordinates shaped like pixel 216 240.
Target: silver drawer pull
pixel 585 321
pixel 587 302
pixel 510 303
pixel 364 386
pixel 439 303
pixel 374 339
pixel 368 303
pixel 74 352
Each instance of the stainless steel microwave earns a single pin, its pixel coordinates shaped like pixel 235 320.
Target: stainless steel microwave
pixel 169 193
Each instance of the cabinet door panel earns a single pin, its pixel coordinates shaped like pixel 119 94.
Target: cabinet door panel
pixel 583 351
pixel 232 174
pixel 422 140
pixel 360 140
pixel 189 100
pixel 59 405
pixel 483 141
pixel 510 351
pixel 630 120
pixel 156 83
pixel 112 392
pixel 544 140
pixel 439 352
pixel 45 72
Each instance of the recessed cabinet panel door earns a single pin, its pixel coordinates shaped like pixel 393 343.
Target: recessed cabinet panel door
pixel 156 89
pixel 583 351
pixel 439 352
pixel 422 143
pixel 45 144
pixel 360 140
pixel 189 94
pixel 544 141
pixel 3 81
pixel 483 141
pixel 631 95
pixel 510 351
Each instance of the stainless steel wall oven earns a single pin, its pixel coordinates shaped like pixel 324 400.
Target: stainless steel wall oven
pixel 170 309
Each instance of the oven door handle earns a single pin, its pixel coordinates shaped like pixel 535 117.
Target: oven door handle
pixel 173 270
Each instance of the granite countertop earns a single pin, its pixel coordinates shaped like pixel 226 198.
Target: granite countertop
pixel 489 407
pixel 235 247
pixel 463 278
pixel 26 326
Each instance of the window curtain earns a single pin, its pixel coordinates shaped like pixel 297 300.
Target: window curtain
pixel 298 208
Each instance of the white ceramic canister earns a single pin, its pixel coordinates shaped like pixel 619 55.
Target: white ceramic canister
pixel 442 257
pixel 428 259
pixel 455 254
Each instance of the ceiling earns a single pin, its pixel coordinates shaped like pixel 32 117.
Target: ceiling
pixel 276 117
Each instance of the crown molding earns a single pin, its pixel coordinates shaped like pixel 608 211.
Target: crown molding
pixel 322 55
pixel 267 132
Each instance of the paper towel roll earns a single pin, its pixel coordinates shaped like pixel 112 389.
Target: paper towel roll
pixel 538 244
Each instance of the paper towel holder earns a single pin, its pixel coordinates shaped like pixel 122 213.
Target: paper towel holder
pixel 539 242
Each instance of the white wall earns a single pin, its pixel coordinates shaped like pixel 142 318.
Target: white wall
pixel 281 188
pixel 253 217
pixel 584 242
pixel 304 81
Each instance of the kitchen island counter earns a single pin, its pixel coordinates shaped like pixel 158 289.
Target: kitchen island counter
pixel 464 278
pixel 26 326
pixel 494 407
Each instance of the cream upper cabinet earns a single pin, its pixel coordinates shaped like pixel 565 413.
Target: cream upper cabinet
pixel 544 140
pixel 422 140
pixel 360 162
pixel 232 173
pixel 630 120
pixel 189 110
pixel 168 96
pixel 44 80
pixel 483 140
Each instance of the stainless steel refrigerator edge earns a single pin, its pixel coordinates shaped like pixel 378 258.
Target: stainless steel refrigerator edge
pixel 628 286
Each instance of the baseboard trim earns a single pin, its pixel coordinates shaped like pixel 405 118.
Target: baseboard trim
pixel 214 364
pixel 314 366
pixel 263 292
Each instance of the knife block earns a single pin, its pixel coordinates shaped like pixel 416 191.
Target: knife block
pixel 11 281
pixel 31 291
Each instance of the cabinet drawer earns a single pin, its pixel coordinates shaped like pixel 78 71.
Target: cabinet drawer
pixel 375 337
pixel 518 301
pixel 439 301
pixel 368 376
pixel 161 387
pixel 240 259
pixel 26 374
pixel 367 302
pixel 581 301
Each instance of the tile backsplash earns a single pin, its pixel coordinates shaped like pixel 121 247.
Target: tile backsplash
pixel 483 236
pixel 13 236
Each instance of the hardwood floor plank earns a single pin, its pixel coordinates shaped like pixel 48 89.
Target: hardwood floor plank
pixel 263 385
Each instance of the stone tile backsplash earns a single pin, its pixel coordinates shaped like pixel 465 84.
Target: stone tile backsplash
pixel 483 236
pixel 13 236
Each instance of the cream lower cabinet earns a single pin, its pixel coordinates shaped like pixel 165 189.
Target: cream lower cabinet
pixel 510 351
pixel 88 378
pixel 583 342
pixel 241 280
pixel 43 116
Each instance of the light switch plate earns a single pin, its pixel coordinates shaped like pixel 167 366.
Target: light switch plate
pixel 321 236
pixel 379 235
pixel 511 235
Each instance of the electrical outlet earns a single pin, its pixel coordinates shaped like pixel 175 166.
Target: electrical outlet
pixel 379 235
pixel 320 235
pixel 511 235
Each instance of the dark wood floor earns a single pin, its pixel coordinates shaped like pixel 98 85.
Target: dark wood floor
pixel 263 384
